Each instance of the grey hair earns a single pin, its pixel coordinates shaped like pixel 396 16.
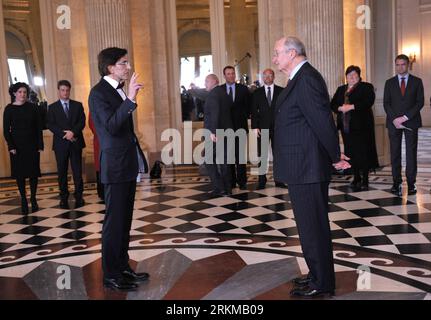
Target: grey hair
pixel 295 44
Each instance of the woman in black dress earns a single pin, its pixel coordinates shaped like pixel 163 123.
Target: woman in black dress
pixel 353 104
pixel 22 129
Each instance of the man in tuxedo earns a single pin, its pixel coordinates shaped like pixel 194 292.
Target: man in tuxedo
pixel 239 103
pixel 306 149
pixel 217 116
pixel 66 120
pixel 262 115
pixel 403 101
pixel 121 160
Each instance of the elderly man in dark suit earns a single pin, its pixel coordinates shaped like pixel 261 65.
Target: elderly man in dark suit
pixel 66 120
pixel 121 160
pixel 217 116
pixel 306 150
pixel 403 101
pixel 264 101
pixel 239 103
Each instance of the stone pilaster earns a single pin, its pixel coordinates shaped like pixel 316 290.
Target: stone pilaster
pixel 4 97
pixel 108 23
pixel 320 27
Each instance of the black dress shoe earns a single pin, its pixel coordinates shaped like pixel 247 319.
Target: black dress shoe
pixel 24 206
pixel 215 194
pixel 355 183
pixel 280 185
pixel 64 204
pixel 309 293
pixel 397 189
pixel 412 190
pixel 302 282
pixel 119 284
pixel 132 276
pixel 226 193
pixel 34 205
pixel 79 203
pixel 365 186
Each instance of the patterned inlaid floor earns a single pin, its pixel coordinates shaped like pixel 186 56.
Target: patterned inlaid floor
pixel 244 247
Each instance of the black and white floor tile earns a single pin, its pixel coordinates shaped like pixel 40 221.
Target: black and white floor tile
pixel 197 247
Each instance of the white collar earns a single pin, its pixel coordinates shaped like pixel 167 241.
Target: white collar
pixel 64 101
pixel 114 83
pixel 271 86
pixel 297 68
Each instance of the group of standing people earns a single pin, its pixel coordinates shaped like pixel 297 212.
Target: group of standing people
pixel 306 145
pixel 302 130
pixel 23 126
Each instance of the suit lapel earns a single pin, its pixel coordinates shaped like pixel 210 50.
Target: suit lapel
pixel 111 89
pixel 285 93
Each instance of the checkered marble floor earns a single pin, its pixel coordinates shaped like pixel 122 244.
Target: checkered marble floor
pixel 175 218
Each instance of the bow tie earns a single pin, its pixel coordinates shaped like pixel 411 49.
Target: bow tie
pixel 120 85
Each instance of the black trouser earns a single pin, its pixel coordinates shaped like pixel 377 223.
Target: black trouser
pixel 310 208
pixel 33 187
pixel 100 191
pixel 395 138
pixel 361 175
pixel 239 171
pixel 119 201
pixel 262 178
pixel 75 157
pixel 220 172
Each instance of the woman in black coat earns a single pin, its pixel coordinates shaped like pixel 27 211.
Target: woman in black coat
pixel 353 104
pixel 22 129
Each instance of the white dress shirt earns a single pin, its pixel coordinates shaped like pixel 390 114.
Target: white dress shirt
pixel 114 83
pixel 297 68
pixel 272 86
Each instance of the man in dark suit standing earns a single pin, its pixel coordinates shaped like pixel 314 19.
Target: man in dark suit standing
pixel 66 120
pixel 264 101
pixel 240 105
pixel 217 116
pixel 403 101
pixel 306 150
pixel 121 160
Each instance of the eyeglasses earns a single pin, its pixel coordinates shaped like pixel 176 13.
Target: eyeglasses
pixel 123 63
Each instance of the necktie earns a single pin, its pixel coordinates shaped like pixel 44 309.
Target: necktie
pixel 268 97
pixel 231 94
pixel 403 86
pixel 66 109
pixel 120 85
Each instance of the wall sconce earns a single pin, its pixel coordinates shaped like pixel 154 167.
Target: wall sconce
pixel 412 57
pixel 412 52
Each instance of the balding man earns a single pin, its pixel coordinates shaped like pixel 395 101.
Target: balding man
pixel 306 151
pixel 217 115
pixel 262 115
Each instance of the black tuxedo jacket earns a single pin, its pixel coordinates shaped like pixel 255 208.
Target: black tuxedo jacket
pixel 57 122
pixel 305 138
pixel 217 111
pixel 262 114
pixel 240 108
pixel 410 105
pixel 119 147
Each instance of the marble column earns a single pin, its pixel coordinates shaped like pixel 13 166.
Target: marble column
pixel 355 39
pixel 108 25
pixel 320 27
pixel 4 97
